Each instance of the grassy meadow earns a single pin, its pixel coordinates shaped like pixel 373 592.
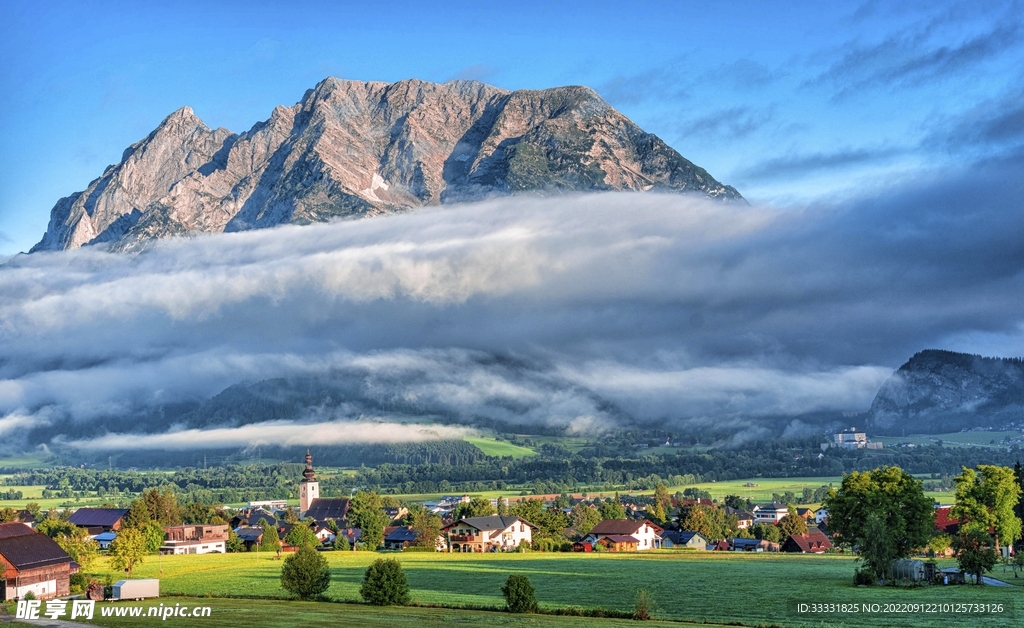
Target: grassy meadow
pixel 686 585
pixel 953 439
pixel 494 447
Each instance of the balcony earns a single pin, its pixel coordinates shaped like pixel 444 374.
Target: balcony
pixel 464 538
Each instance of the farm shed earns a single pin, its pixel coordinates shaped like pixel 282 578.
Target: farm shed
pixel 907 569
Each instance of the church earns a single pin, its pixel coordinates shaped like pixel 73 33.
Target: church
pixel 312 506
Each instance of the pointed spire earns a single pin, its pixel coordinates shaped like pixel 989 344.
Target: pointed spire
pixel 308 473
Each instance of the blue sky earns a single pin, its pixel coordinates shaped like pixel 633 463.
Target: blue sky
pixel 807 102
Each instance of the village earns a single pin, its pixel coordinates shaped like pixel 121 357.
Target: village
pixel 37 566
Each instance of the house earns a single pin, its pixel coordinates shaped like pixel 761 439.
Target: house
pixel 821 515
pixel 352 534
pixel 814 542
pixel 752 545
pixel 772 513
pixel 683 539
pixel 98 520
pixel 324 533
pixel 195 539
pixel 646 533
pixel 618 543
pixel 806 513
pixel 32 562
pixel 488 534
pixel 744 519
pixel 324 509
pixel 104 539
pixel 396 514
pixel 399 538
pixel 250 536
pixel 25 516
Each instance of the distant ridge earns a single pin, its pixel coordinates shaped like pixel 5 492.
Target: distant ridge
pixel 944 391
pixel 354 149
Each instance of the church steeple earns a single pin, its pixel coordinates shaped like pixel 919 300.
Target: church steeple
pixel 308 473
pixel 309 488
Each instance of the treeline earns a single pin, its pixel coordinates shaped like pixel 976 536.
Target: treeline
pixel 543 474
pixel 445 452
pixel 12 494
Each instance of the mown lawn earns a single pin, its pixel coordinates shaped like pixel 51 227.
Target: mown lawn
pixel 695 586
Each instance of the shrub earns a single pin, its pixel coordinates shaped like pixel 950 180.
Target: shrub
pixel 305 573
pixel 643 606
pixel 384 583
pixel 341 543
pixel 863 577
pixel 519 594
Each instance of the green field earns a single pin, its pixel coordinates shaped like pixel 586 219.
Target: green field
pixel 34 494
pixel 494 447
pixel 695 586
pixel 954 439
pixel 288 614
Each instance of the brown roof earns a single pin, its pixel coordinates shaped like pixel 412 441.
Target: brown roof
pixel 8 530
pixel 32 551
pixel 105 517
pixel 623 526
pixel 324 508
pixel 814 542
pixel 619 538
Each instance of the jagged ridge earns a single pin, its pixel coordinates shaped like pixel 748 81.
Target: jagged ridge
pixel 353 149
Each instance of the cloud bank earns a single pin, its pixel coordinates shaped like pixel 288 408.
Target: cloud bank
pixel 578 313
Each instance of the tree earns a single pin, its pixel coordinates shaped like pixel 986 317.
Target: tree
pixel 163 506
pixel 366 512
pixel 792 524
pixel 767 532
pixel 878 547
pixel 341 543
pixel 127 550
pixel 427 527
pixel 305 573
pixel 53 527
pixel 885 499
pixel 384 583
pixel 8 514
pixel 584 517
pixel 301 536
pixel 939 544
pixel 712 523
pixel 35 510
pixel 662 498
pixel 987 502
pixel 612 509
pixel 153 535
pixel 1018 473
pixel 79 547
pixel 520 596
pixel 974 552
pixel 234 543
pixel 271 539
pixel 476 507
pixel 138 515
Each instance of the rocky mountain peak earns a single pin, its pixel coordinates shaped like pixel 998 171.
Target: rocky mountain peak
pixel 354 149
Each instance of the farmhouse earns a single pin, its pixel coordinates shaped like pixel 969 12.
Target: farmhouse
pixel 488 534
pixel 32 562
pixel 814 542
pixel 646 534
pixel 945 522
pixel 97 520
pixel 324 533
pixel 399 537
pixel 195 539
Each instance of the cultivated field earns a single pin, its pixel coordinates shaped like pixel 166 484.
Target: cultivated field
pixel 715 587
pixel 494 447
pixel 953 439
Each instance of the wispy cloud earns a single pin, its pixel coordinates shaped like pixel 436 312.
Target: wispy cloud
pixel 789 166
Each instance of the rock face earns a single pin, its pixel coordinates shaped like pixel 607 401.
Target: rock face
pixel 943 391
pixel 354 149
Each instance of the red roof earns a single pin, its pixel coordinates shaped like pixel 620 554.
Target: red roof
pixel 944 522
pixel 814 542
pixel 8 530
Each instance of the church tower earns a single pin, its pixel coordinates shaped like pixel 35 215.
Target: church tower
pixel 309 488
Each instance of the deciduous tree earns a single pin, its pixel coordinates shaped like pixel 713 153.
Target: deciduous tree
pixel 366 512
pixel 127 550
pixel 384 583
pixel 792 524
pixel 305 573
pixel 985 501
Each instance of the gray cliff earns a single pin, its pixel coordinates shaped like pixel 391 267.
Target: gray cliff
pixel 355 149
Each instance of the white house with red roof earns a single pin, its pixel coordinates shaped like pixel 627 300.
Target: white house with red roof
pixel 646 533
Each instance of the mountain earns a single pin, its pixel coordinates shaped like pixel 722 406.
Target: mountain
pixel 942 391
pixel 353 149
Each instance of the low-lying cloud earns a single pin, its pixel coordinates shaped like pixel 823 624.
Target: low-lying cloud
pixel 577 313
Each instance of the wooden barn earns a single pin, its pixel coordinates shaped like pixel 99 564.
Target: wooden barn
pixel 32 562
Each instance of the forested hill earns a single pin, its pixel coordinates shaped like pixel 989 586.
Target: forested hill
pixel 942 391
